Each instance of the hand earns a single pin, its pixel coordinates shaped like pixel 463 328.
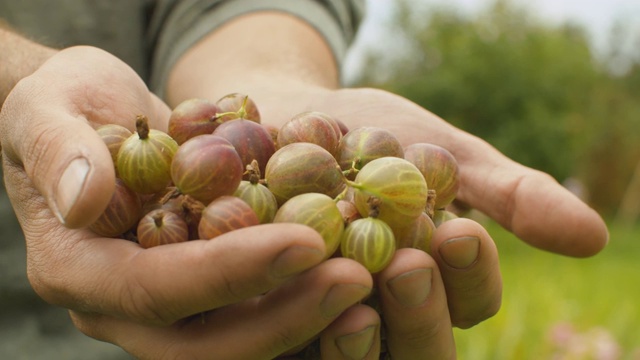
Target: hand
pixel 528 202
pixel 298 74
pixel 198 299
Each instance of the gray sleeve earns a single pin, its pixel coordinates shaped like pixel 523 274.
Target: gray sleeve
pixel 179 25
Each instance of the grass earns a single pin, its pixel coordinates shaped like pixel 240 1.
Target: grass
pixel 595 300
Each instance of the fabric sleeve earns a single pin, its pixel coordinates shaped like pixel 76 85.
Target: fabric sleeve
pixel 178 25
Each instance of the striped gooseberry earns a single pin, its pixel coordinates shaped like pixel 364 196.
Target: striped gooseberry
pixel 121 214
pixel 192 117
pixel 399 186
pixel 206 167
pixel 361 145
pixel 312 127
pixel 258 196
pixel 237 106
pixel 251 140
pixel 417 235
pixel 224 214
pixel 144 159
pixel 113 136
pixel 369 241
pixel 300 168
pixel 317 211
pixel 160 227
pixel 441 215
pixel 188 208
pixel 439 168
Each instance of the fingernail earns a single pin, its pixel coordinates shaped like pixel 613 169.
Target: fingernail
pixel 411 288
pixel 357 345
pixel 460 253
pixel 342 296
pixel 294 260
pixel 70 186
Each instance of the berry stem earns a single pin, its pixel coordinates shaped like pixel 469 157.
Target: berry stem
pixel 253 170
pixel 354 184
pixel 342 194
pixel 353 169
pixel 142 126
pixel 172 194
pixel 374 206
pixel 241 113
pixel 431 203
pixel 157 218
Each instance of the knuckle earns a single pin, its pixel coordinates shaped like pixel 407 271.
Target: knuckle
pixel 417 336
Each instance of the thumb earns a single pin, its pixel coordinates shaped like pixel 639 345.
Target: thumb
pixel 46 130
pixel 66 161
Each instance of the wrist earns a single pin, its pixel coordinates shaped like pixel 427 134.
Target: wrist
pixel 20 58
pixel 278 60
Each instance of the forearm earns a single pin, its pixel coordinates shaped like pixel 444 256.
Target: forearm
pixel 19 57
pixel 275 58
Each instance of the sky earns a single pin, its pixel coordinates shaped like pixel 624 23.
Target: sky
pixel 596 16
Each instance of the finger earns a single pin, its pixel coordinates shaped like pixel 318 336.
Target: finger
pixel 531 204
pixel 414 306
pixel 258 328
pixel 354 335
pixel 468 261
pixel 66 161
pixel 162 284
pixel 46 129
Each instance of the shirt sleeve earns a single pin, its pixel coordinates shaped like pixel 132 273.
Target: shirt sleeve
pixel 178 25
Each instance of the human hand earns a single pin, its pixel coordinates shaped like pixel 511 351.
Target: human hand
pixel 294 72
pixel 528 202
pixel 198 299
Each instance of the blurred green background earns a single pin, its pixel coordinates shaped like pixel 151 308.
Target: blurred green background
pixel 541 94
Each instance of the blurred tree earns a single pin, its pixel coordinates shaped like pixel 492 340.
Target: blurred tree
pixel 532 89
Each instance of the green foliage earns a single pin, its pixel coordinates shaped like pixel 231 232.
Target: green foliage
pixel 533 90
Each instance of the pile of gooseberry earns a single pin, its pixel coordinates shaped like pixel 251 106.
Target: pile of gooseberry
pixel 219 169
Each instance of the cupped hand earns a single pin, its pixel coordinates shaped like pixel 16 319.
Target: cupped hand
pixel 201 299
pixel 528 202
pixel 463 265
